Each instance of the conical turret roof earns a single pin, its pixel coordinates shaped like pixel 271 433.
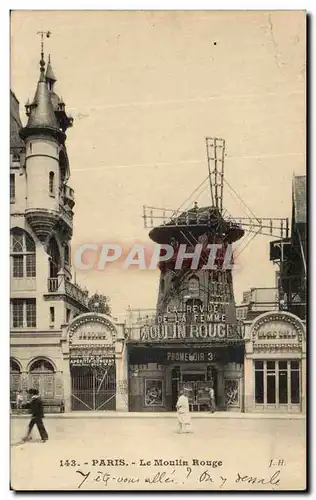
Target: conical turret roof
pixel 42 112
pixel 50 75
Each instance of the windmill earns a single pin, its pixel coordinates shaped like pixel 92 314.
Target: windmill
pixel 182 289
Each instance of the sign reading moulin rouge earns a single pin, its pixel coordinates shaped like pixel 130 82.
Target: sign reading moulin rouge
pixel 196 322
pixel 206 331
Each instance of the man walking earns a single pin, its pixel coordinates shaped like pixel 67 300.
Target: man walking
pixel 35 406
pixel 183 410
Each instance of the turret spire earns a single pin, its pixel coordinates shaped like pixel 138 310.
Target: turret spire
pixel 50 76
pixel 41 111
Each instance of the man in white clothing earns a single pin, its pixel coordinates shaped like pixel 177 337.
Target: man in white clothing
pixel 183 410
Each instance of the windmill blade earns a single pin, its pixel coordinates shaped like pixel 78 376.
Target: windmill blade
pixel 274 227
pixel 215 148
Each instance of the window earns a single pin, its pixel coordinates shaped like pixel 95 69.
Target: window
pixel 295 382
pixel 12 187
pixel 68 313
pixel 42 377
pixel 23 313
pixel 194 287
pixel 52 183
pixel 15 378
pixel 259 382
pixel 23 254
pixel 54 261
pixel 66 255
pixel 270 382
pixel 283 388
pixel 277 382
pixel 52 314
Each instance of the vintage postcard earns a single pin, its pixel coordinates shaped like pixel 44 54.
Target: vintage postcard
pixel 158 250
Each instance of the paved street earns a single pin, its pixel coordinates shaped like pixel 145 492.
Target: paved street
pixel 244 446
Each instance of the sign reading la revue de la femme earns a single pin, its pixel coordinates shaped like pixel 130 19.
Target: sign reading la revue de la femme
pixel 176 326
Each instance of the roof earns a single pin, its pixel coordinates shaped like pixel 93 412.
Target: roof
pixel 50 75
pixel 42 111
pixel 299 199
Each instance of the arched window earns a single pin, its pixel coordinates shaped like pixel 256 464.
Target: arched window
pixel 194 287
pixel 42 377
pixel 66 255
pixel 15 376
pixel 63 167
pixel 23 254
pixel 52 183
pixel 54 262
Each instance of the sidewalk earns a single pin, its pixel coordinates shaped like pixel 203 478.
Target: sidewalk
pixel 163 415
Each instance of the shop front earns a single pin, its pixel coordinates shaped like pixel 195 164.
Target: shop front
pixel 160 364
pixel 275 364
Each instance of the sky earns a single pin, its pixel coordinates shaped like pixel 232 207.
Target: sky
pixel 145 89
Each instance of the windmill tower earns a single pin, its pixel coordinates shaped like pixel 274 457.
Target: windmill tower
pixel 204 294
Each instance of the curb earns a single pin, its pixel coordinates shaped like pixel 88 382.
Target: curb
pixel 195 416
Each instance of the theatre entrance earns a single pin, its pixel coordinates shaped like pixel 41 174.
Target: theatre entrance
pixel 197 382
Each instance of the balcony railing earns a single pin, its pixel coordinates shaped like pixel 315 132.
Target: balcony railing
pixel 52 284
pixel 62 286
pixel 76 292
pixel 67 215
pixel 69 196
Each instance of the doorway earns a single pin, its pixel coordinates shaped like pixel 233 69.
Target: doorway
pixel 196 384
pixel 212 378
pixel 175 378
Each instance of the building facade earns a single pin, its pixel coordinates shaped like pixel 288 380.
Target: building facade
pixel 254 356
pixel 43 296
pixel 275 363
pixel 291 255
pixel 265 372
pixel 257 301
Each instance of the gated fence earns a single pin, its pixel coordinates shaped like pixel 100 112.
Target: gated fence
pixel 93 388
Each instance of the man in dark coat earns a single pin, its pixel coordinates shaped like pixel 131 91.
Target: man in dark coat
pixel 35 405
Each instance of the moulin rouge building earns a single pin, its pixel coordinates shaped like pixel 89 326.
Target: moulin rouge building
pixel 194 339
pixel 87 361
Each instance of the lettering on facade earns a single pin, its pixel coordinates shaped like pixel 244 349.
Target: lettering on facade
pixel 213 312
pixel 208 331
pixel 277 334
pixel 190 357
pixel 275 330
pixel 87 330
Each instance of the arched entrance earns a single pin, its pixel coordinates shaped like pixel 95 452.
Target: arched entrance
pixel 15 376
pixel 42 378
pixel 92 339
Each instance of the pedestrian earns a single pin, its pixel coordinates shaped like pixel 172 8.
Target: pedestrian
pixel 212 399
pixel 19 400
pixel 183 410
pixel 35 405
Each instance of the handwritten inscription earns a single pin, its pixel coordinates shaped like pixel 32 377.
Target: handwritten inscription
pixel 174 473
pixel 179 478
pixel 174 477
